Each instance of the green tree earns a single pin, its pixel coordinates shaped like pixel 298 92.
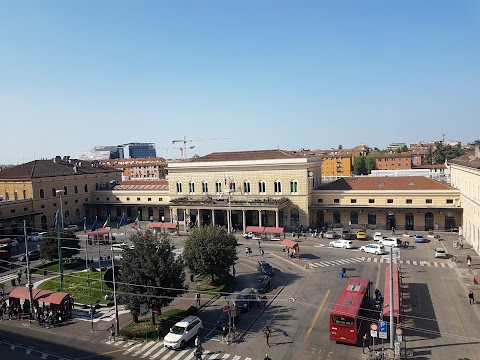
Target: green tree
pixel 150 274
pixel 210 251
pixel 402 149
pixel 359 166
pixel 49 245
pixel 370 163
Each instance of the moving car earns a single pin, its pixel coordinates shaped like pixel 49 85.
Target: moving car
pixel 72 228
pixel 34 236
pixel 346 234
pixel 265 268
pixel 440 253
pixel 330 235
pixel 378 236
pixel 182 332
pixel 376 249
pixel 262 284
pixel 340 243
pixel 418 238
pixel 229 316
pixel 393 242
pixel 361 235
pixel 248 235
pixel 245 299
pixel 32 255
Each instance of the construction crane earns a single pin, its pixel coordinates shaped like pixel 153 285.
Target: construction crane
pixel 184 147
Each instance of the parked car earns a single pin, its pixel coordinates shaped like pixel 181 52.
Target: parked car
pixel 361 235
pixel 265 268
pixel 245 299
pixel 341 243
pixel 228 317
pixel 14 242
pixel 392 241
pixel 440 253
pixel 418 238
pixel 346 234
pixel 119 247
pixel 376 249
pixel 330 235
pixel 262 284
pixel 72 228
pixel 248 235
pixel 32 255
pixel 182 332
pixel 378 236
pixel 34 236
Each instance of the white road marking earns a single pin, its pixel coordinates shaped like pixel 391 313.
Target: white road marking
pixel 152 349
pixel 158 353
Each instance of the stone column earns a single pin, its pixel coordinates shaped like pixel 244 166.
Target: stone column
pixel 185 225
pixel 244 220
pixel 213 217
pixel 276 218
pixel 260 218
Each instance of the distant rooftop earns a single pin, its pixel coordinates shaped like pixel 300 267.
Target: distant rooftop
pixel 386 183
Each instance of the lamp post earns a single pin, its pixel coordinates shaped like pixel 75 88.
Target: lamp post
pixel 60 258
pixel 229 192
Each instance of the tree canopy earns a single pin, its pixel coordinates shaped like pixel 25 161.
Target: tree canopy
pixel 210 251
pixel 49 245
pixel 441 153
pixel 370 163
pixel 359 166
pixel 150 274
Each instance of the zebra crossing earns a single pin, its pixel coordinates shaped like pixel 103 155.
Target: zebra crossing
pixel 384 260
pixel 154 350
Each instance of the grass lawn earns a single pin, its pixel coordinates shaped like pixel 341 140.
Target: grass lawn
pixel 76 285
pixel 53 268
pixel 220 284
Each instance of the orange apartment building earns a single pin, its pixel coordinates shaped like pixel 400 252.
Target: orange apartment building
pixel 140 168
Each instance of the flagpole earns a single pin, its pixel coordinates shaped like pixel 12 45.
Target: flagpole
pixel 114 288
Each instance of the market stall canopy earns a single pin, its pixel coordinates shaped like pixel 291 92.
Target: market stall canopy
pixel 42 296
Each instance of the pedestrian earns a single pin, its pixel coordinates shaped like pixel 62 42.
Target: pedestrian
pixel 469 263
pixel 250 251
pixel 267 357
pixel 365 343
pixel 198 353
pixel 344 271
pixel 19 277
pixel 198 343
pixel 471 298
pixel 461 244
pixel 247 251
pixel 262 252
pixel 224 335
pixel 112 332
pixel 266 333
pixel 393 230
pixel 197 299
pixel 259 245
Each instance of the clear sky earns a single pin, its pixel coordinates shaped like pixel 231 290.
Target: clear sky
pixel 262 73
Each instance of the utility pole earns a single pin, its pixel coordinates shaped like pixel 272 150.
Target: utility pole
pixel 30 296
pixel 392 327
pixel 60 258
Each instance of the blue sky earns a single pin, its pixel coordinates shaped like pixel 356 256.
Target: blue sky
pixel 264 74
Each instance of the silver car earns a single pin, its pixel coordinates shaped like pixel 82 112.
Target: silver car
pixel 330 235
pixel 440 253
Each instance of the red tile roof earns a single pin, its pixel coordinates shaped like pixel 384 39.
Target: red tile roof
pixel 468 160
pixel 249 155
pixel 147 185
pixel 386 183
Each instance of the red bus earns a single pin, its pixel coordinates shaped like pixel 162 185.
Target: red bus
pixel 396 295
pixel 350 310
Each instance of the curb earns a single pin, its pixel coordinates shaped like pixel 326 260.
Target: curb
pixel 287 260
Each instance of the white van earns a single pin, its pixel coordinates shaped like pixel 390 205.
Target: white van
pixel 391 241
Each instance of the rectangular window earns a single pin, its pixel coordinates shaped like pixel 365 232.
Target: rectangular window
pixel 371 201
pixel 342 320
pixel 160 199
pixel 389 201
pixel 55 204
pixel 353 201
pixel 336 201
pixel 204 187
pixel 12 211
pixel 42 207
pixel 428 201
pixel 118 199
pixel 320 201
pixel 108 199
pixel 138 199
pixel 218 187
pixel 179 187
pixel 191 187
pixel 25 209
pixel 409 201
pixel 149 199
pixel 76 201
pixel 449 201
pixel 128 199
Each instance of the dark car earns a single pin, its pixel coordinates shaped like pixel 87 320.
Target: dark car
pixel 32 255
pixel 245 299
pixel 262 284
pixel 265 268
pixel 228 315
pixel 347 235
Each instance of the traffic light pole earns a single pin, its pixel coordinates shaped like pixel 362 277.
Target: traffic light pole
pixel 30 295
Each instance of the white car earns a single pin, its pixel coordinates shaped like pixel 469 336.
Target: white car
pixel 340 243
pixel 182 332
pixel 248 235
pixel 376 249
pixel 330 235
pixel 393 242
pixel 72 228
pixel 440 253
pixel 378 236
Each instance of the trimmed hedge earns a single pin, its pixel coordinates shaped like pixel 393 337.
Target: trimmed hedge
pixel 145 330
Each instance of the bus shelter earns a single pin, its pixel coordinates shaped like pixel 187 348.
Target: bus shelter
pixel 164 228
pixel 292 249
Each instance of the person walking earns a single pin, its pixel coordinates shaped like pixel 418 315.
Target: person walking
pixel 365 343
pixel 262 252
pixel 471 298
pixel 266 333
pixel 197 299
pixel 247 251
pixel 198 342
pixel 469 263
pixel 267 357
pixel 344 271
pixel 198 353
pixel 112 333
pixel 224 334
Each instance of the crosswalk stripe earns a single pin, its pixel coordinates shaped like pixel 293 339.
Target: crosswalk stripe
pixel 226 356
pixel 129 350
pixel 322 264
pixel 408 262
pixel 369 259
pixel 414 262
pixel 158 353
pixel 152 349
pixel 118 342
pixel 128 344
pixel 109 342
pixel 435 264
pixel 236 357
pixel 313 266
pixel 183 352
pixel 143 348
pixel 443 265
pixel 167 355
pixel 451 266
pixel 190 355
pixel 214 356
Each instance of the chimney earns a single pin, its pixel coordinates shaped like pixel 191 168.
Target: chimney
pixel 75 168
pixel 477 151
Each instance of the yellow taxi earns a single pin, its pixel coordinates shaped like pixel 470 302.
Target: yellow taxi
pixel 361 235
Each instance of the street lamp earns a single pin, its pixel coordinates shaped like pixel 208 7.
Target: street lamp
pixel 60 259
pixel 229 192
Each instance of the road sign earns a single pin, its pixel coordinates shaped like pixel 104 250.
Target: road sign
pixel 399 331
pixel 143 309
pixel 373 330
pixel 382 329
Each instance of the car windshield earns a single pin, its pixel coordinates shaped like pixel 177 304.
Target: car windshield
pixel 419 236
pixel 440 251
pixel 266 266
pixel 177 330
pixel 242 297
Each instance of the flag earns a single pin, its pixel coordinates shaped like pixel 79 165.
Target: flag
pixel 122 221
pixel 84 223
pixel 107 222
pixel 55 220
pixel 137 221
pixel 95 224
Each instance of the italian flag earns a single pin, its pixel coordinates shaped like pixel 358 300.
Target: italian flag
pixel 137 221
pixel 107 222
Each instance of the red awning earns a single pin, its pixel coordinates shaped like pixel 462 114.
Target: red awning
pixel 98 232
pixel 154 225
pixel 289 243
pixel 255 229
pixel 274 230
pixel 56 298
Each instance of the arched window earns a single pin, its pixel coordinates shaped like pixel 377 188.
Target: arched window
pixel 294 187
pixel 218 187
pixel 449 221
pixel 86 188
pixel 42 194
pixel 15 195
pixel 246 188
pixel 354 217
pixel 277 187
pixel 54 192
pixel 204 187
pixel 233 185
pixel 261 187
pixel 24 194
pixel 65 189
pixel 75 189
pixel 191 187
pixel 429 223
pixel 294 217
